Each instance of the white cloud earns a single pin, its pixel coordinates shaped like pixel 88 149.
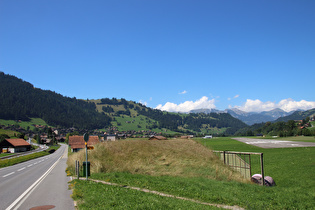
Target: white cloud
pixel 236 96
pixel 202 103
pixel 285 104
pixel 184 92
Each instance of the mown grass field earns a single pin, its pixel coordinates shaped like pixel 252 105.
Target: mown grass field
pixel 132 123
pixel 293 170
pixel 24 124
pixel 137 123
pixel 299 138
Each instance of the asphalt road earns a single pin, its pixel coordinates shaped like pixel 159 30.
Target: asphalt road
pixel 37 182
pixel 272 143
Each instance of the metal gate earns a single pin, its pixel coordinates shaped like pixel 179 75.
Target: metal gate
pixel 240 161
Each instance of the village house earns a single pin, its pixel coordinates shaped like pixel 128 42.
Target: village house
pixel 111 138
pixel 157 138
pixel 77 142
pixel 14 146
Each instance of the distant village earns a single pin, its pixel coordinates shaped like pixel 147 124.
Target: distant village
pixel 48 133
pixel 74 137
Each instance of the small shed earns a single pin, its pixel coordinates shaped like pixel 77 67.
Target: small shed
pixel 157 138
pixel 14 145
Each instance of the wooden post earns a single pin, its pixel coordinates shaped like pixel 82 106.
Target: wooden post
pixel 250 166
pixel 262 168
pixel 224 157
pixel 76 167
pixel 78 170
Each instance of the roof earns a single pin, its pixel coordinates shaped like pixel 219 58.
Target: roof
pixel 157 138
pixel 18 142
pixel 77 142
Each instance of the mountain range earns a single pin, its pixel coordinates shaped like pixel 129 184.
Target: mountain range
pixel 21 101
pixel 249 118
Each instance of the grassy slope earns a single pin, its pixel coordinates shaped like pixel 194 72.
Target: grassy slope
pixel 9 132
pixel 23 124
pixel 140 122
pixel 291 168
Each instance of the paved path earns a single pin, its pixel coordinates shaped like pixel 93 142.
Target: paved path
pixel 272 143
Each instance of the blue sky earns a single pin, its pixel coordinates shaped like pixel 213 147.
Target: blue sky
pixel 174 55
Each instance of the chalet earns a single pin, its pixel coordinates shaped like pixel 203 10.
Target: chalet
pixel 157 138
pixel 14 145
pixel 111 138
pixel 77 142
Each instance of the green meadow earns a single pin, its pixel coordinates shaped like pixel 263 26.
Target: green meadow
pixel 24 124
pixel 293 170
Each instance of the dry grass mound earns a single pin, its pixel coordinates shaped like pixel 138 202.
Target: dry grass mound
pixel 172 157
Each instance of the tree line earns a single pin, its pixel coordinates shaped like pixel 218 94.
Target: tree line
pixel 281 129
pixel 20 100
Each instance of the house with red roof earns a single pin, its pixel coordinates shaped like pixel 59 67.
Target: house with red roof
pixel 77 142
pixel 14 145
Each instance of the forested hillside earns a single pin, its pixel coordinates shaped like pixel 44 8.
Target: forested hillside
pixel 20 100
pixel 303 127
pixel 297 115
pixel 183 123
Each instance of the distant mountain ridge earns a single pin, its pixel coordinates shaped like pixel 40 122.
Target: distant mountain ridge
pixel 297 115
pixel 249 118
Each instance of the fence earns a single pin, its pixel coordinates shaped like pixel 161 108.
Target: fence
pixel 241 162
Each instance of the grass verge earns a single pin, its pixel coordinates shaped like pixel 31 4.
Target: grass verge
pixel 16 160
pixel 93 195
pixel 292 169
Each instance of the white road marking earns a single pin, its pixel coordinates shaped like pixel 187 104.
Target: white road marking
pixel 29 165
pixel 8 174
pixel 21 169
pixel 18 202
